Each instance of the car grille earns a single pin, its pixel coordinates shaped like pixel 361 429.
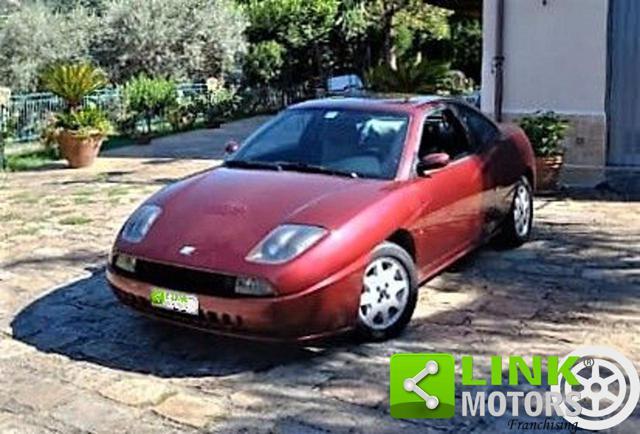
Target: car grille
pixel 181 279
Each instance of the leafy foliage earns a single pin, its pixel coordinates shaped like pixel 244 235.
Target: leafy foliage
pixel 73 81
pixel 546 131
pixel 456 83
pixel 87 121
pixel 181 39
pixel 302 28
pixel 423 77
pixel 33 36
pixel 466 42
pixel 263 62
pixel 182 116
pixel 149 97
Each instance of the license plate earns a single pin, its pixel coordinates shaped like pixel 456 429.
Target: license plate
pixel 174 301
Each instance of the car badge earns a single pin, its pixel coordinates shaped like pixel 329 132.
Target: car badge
pixel 187 250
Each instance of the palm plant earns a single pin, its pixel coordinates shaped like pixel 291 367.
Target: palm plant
pixel 73 81
pixel 408 77
pixel 79 130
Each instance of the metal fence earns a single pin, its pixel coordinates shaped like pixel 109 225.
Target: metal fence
pixel 26 114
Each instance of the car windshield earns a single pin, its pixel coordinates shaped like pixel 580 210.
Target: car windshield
pixel 334 142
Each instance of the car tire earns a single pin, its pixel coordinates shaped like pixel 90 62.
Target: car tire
pixel 516 229
pixel 389 293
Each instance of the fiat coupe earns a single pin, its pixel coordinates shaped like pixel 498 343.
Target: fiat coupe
pixel 327 219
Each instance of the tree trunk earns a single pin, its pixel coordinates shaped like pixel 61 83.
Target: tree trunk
pixel 388 46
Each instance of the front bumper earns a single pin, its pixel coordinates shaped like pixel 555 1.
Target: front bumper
pixel 327 308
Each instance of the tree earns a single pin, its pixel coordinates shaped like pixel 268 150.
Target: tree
pixel 301 27
pixel 33 36
pixel 149 97
pixel 401 25
pixel 466 41
pixel 263 62
pixel 181 39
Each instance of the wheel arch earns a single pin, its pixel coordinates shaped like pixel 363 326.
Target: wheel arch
pixel 404 239
pixel 529 174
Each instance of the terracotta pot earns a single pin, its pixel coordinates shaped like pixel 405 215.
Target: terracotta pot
pixel 79 151
pixel 548 172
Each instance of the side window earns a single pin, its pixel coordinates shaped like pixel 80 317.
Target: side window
pixel 483 131
pixel 443 132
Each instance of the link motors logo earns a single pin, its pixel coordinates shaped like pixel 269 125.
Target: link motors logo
pixel 593 387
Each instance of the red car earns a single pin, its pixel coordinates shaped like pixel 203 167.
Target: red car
pixel 327 219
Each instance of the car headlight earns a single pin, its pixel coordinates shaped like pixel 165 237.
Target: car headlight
pixel 253 286
pixel 136 228
pixel 285 243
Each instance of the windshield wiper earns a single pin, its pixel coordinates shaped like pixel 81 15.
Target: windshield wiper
pixel 312 168
pixel 249 164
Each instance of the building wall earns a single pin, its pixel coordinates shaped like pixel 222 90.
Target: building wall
pixel 555 59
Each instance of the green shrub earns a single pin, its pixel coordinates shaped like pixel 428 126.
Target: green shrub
pixel 149 97
pixel 546 131
pixel 182 116
pixel 218 105
pixel 456 83
pixel 409 77
pixel 86 121
pixel 263 62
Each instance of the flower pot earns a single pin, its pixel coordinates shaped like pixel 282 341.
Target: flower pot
pixel 79 150
pixel 548 172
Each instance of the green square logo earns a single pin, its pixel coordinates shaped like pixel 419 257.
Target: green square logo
pixel 423 386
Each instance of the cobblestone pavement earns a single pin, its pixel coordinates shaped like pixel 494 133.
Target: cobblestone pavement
pixel 73 360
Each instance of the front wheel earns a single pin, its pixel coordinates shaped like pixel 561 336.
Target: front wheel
pixel 389 293
pixel 516 229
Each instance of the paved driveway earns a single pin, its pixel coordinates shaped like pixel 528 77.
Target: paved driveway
pixel 73 360
pixel 198 144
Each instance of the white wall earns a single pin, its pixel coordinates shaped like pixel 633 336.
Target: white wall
pixel 555 56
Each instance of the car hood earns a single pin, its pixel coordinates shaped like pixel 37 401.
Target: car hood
pixel 224 213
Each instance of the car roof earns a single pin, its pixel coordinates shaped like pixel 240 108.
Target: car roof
pixel 401 103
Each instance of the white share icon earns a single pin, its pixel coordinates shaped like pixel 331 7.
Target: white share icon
pixel 411 384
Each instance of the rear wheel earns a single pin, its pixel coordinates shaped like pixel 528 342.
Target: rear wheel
pixel 389 293
pixel 516 229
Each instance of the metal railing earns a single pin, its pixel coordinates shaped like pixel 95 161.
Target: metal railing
pixel 26 114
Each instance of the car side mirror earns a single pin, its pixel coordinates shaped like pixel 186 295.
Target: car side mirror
pixel 231 147
pixel 433 161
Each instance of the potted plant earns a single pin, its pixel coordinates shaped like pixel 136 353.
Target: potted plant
pixel 546 131
pixel 79 131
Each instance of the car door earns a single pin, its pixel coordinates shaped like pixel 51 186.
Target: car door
pixel 449 221
pixel 494 152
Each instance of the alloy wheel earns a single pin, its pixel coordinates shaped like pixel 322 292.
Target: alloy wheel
pixel 385 293
pixel 522 211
